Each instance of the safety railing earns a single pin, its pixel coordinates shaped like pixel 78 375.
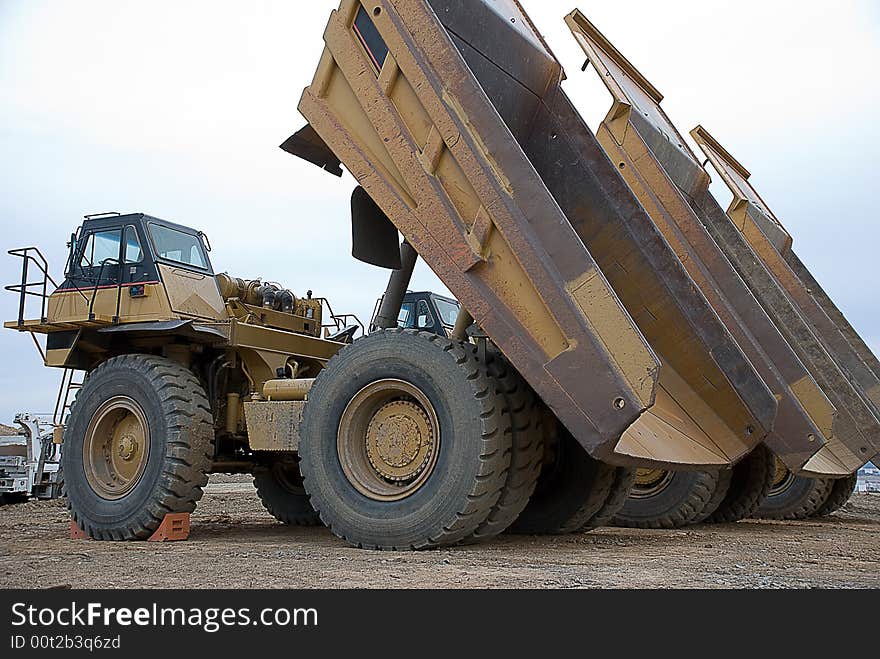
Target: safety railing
pixel 39 288
pixel 341 322
pixel 63 401
pixel 99 279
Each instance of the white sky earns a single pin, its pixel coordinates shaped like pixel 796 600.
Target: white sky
pixel 176 109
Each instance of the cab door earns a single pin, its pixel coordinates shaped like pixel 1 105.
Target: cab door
pixel 90 290
pixel 186 273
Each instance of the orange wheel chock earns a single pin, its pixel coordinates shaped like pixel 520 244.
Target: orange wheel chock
pixel 174 528
pixel 76 533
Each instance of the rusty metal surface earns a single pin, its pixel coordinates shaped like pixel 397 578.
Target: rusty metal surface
pixel 667 178
pixel 474 222
pixel 646 275
pixel 273 426
pixel 830 343
pixel 448 134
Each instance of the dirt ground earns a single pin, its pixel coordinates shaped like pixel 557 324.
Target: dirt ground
pixel 234 543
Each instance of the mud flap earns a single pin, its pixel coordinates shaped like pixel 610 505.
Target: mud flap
pixel 374 238
pixel 306 144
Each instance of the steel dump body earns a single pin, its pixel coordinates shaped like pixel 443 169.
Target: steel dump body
pixel 753 219
pixel 450 115
pixel 669 180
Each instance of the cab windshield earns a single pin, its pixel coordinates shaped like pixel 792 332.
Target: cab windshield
pixel 177 246
pixel 448 311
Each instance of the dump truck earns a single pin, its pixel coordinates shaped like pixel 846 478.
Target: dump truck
pixel 820 380
pixel 587 345
pixel 794 496
pixel 185 370
pixel 451 117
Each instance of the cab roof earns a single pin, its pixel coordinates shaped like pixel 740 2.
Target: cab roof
pixel 108 220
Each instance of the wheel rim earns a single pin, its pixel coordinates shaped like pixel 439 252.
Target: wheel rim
pixel 650 482
pixel 116 448
pixel 388 440
pixel 782 479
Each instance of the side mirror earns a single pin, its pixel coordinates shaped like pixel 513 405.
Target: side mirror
pixel 71 254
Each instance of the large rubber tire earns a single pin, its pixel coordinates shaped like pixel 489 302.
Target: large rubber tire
pixel 725 476
pixel 471 464
pixel 679 503
pixel 181 432
pixel 527 447
pixel 798 500
pixel 620 489
pixel 12 499
pixel 750 484
pixel 841 492
pixel 279 487
pixel 572 489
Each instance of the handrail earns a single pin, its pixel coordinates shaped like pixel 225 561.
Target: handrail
pixel 33 255
pixel 62 402
pixel 98 281
pixel 340 321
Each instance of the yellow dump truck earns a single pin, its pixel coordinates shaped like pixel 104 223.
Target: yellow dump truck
pixel 605 337
pixel 187 372
pixel 817 368
pixel 794 496
pixel 451 117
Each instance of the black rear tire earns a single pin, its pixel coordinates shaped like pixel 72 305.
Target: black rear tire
pixel 725 476
pixel 841 492
pixel 795 498
pixel 180 448
pixel 441 507
pixel 750 484
pixel 572 488
pixel 624 479
pixel 527 447
pixel 677 501
pixel 279 487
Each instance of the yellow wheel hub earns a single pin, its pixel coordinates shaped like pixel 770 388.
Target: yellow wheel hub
pixel 648 477
pixel 650 482
pixel 782 478
pixel 388 440
pixel 399 440
pixel 116 447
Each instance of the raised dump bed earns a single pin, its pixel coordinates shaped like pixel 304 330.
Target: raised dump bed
pixel 449 113
pixel 669 181
pixel 772 242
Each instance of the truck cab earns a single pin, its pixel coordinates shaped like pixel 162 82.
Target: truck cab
pixel 428 312
pixel 156 269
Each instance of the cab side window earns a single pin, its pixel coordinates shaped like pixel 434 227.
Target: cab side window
pixel 177 246
pixel 407 317
pixel 424 319
pixel 133 251
pixel 101 246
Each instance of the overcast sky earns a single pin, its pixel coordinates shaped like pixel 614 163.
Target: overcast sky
pixel 176 109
